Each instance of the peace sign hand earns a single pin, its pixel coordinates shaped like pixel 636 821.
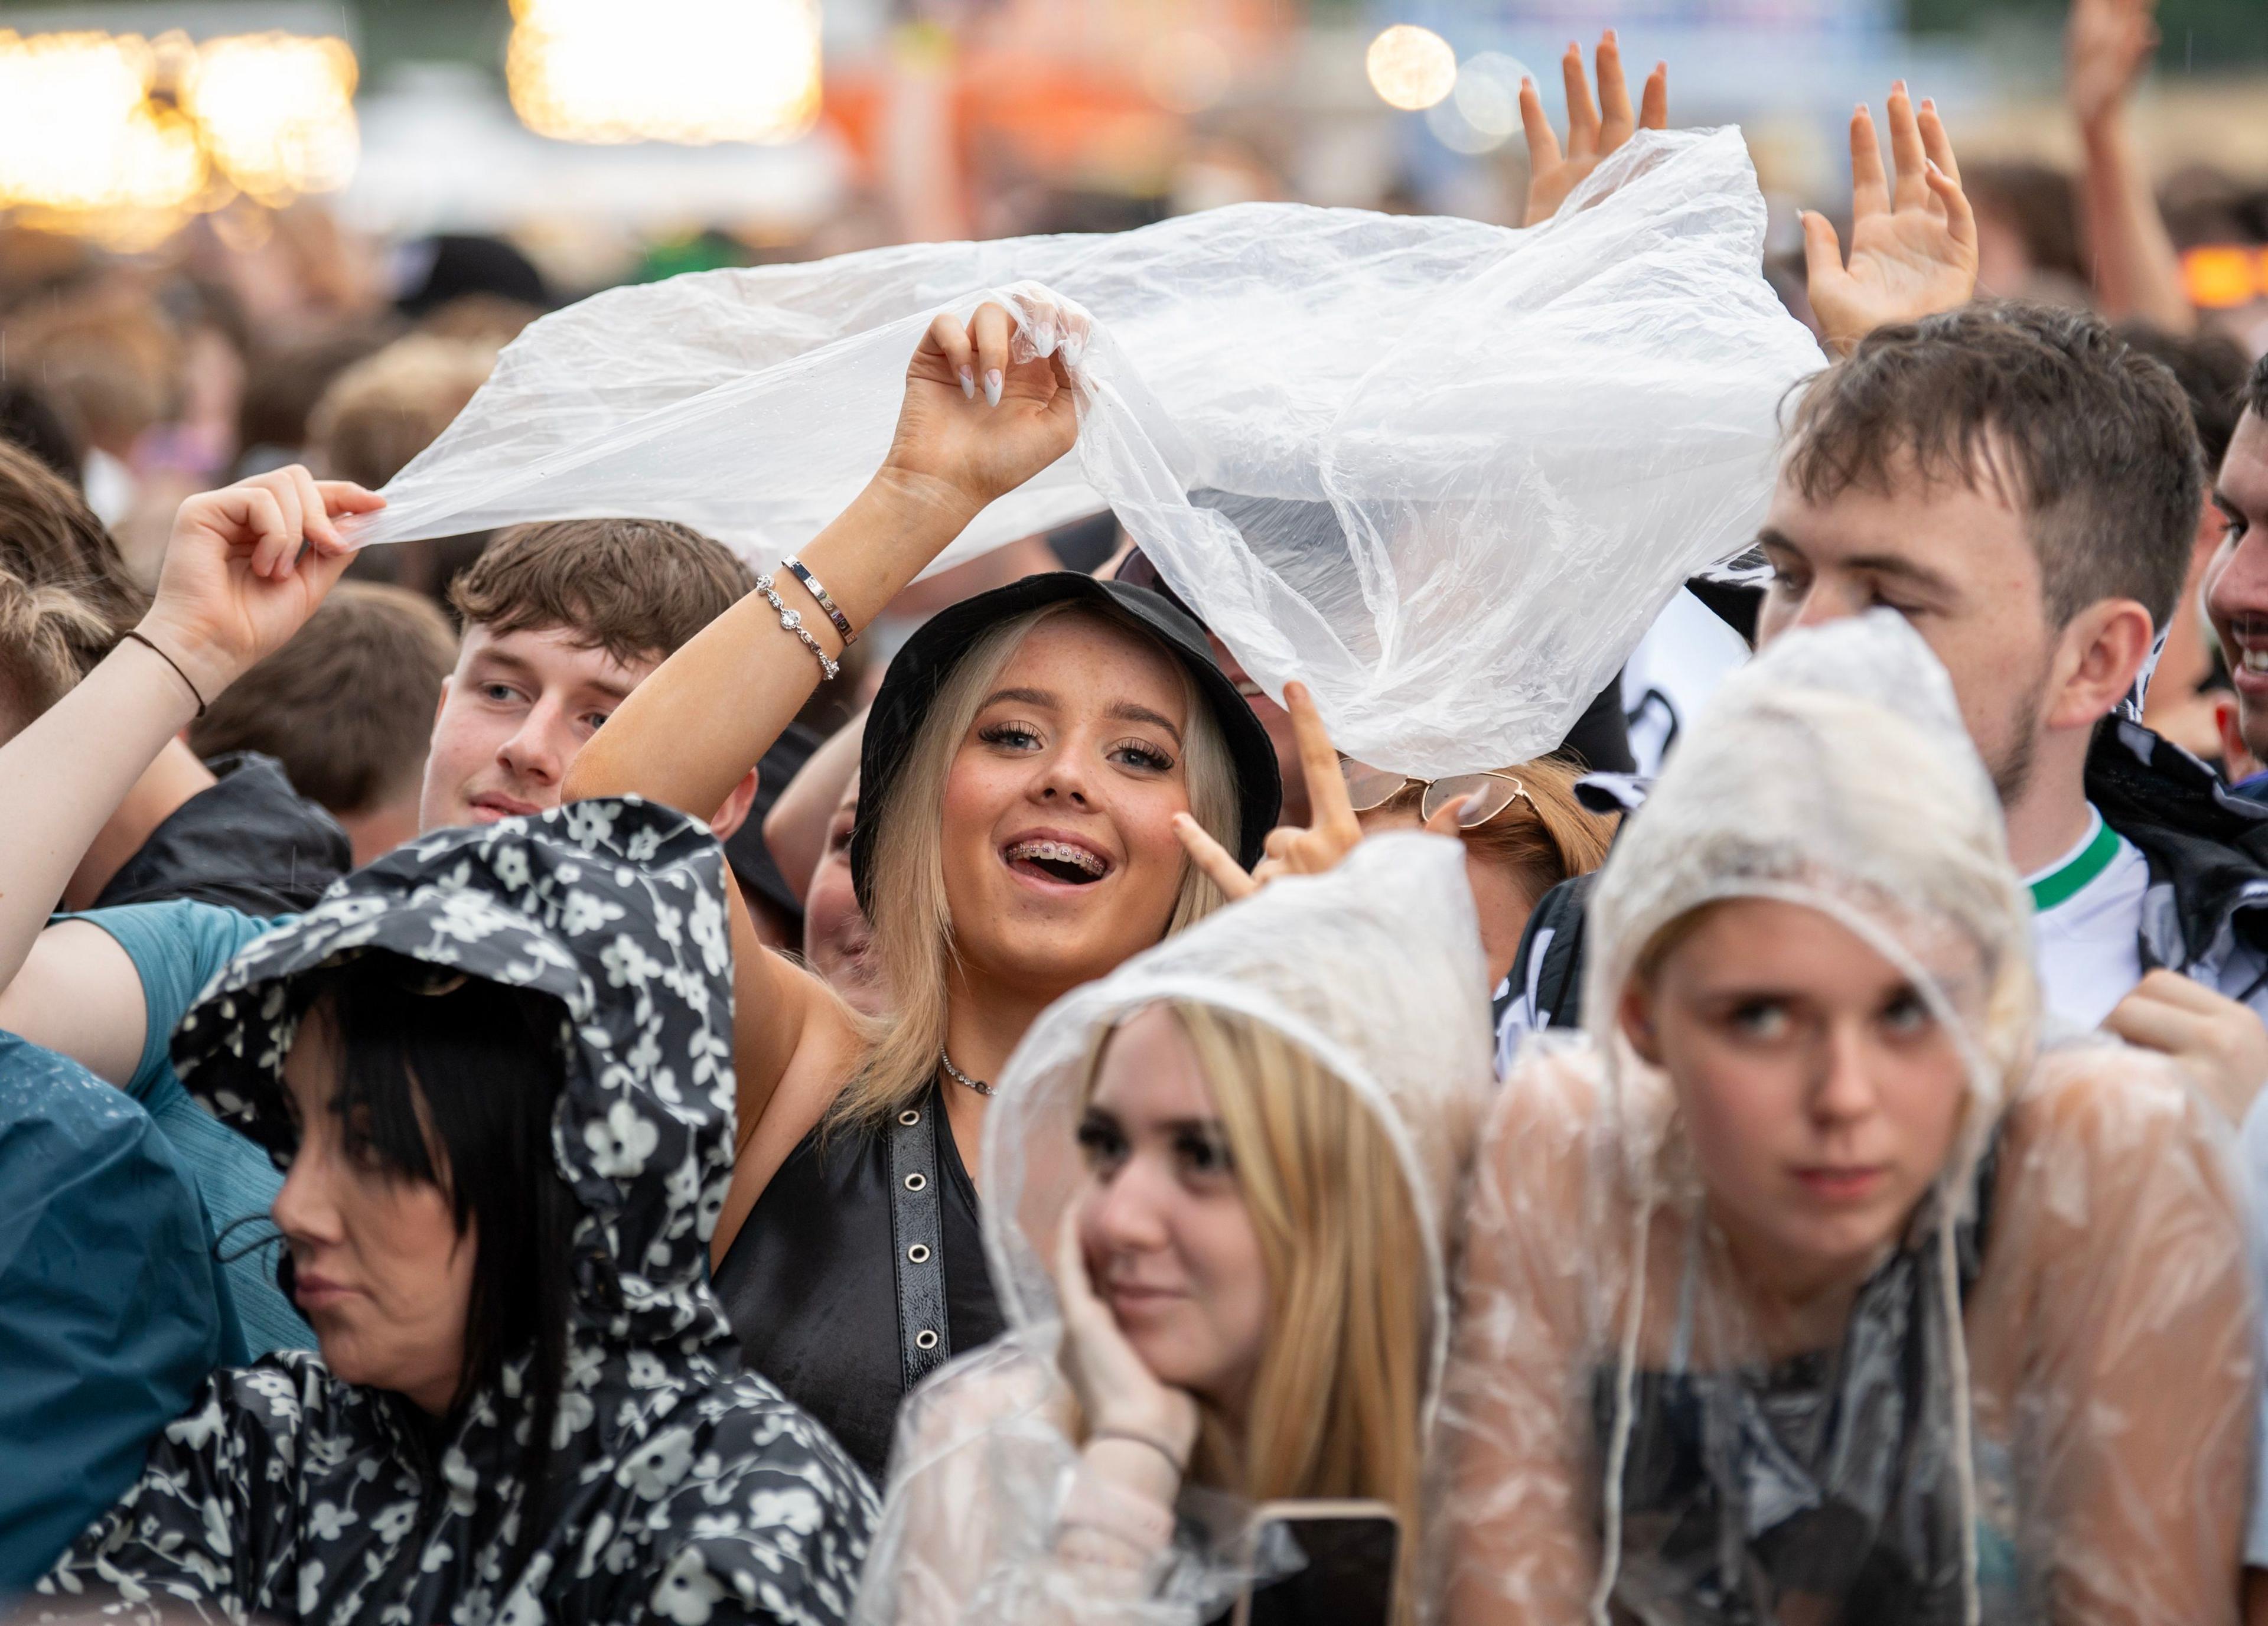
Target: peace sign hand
pixel 1294 850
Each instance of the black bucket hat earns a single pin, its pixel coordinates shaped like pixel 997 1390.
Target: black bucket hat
pixel 930 656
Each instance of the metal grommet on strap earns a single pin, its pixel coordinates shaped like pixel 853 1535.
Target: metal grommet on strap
pixel 917 1241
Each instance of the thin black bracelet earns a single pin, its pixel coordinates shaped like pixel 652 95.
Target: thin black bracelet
pixel 1159 1445
pixel 175 664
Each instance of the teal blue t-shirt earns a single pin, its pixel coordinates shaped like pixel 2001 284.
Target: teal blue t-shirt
pixel 178 949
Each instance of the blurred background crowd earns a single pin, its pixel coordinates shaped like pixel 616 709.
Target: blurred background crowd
pixel 235 233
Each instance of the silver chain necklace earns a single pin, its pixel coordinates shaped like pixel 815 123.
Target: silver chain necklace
pixel 961 1078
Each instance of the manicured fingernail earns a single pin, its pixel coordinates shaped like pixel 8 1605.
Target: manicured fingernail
pixel 1470 807
pixel 992 382
pixel 969 382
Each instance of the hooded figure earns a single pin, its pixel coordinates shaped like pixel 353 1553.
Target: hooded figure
pixel 679 1487
pixel 1738 1341
pixel 1372 974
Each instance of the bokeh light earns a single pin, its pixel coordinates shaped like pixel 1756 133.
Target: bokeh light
pixel 122 138
pixel 1411 68
pixel 276 112
pixel 692 72
pixel 1488 93
pixel 79 132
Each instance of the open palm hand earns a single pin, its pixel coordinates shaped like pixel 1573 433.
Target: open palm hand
pixel 1594 129
pixel 1913 248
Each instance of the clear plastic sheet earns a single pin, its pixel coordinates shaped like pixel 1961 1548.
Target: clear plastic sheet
pixel 1375 968
pixel 2040 1407
pixel 1445 473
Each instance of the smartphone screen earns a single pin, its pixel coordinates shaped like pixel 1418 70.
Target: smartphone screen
pixel 1347 1578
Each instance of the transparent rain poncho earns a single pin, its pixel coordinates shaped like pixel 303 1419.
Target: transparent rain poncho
pixel 2040 1409
pixel 1444 473
pixel 1375 970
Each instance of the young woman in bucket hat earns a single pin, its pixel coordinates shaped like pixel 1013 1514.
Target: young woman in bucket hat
pixel 1020 778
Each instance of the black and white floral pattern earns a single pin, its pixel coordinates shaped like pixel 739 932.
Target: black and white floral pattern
pixel 688 1492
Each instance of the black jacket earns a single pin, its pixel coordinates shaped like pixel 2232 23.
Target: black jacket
pixel 251 842
pixel 2206 913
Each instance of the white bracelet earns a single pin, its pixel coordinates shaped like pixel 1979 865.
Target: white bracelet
pixel 792 621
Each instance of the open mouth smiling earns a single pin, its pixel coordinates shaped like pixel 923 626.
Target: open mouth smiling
pixel 1052 858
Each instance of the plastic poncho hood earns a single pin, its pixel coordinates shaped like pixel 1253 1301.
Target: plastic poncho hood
pixel 615 909
pixel 682 1486
pixel 1443 473
pixel 1834 771
pixel 1375 970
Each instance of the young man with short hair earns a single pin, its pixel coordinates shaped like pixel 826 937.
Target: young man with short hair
pixel 2024 488
pixel 562 619
pixel 2236 583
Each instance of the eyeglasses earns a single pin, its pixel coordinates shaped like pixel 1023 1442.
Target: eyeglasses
pixel 1369 787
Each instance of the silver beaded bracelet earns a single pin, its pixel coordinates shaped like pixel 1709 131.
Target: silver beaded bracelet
pixel 793 621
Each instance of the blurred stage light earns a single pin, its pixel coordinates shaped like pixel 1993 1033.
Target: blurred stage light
pixel 79 132
pixel 692 72
pixel 123 138
pixel 1411 68
pixel 276 112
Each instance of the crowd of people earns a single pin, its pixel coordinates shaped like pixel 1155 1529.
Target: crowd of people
pixel 564 1084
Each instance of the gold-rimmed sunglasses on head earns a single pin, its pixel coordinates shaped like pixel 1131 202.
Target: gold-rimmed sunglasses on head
pixel 1369 788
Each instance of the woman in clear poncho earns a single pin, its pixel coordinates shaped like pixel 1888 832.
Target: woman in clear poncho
pixel 1805 1285
pixel 1231 1169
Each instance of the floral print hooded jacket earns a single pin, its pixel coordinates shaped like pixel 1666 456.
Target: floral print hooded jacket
pixel 684 1490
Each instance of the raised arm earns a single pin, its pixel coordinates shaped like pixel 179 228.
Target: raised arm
pixel 976 425
pixel 2107 46
pixel 234 586
pixel 1914 247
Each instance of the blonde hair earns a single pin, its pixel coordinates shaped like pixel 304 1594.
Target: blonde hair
pixel 1338 1400
pixel 912 923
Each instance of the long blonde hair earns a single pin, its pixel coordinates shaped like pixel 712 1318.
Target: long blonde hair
pixel 1339 1399
pixel 911 921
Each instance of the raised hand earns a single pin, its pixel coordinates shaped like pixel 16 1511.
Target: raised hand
pixel 245 566
pixel 977 423
pixel 1296 850
pixel 2107 44
pixel 1593 129
pixel 1913 249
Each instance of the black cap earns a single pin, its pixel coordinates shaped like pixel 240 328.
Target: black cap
pixel 930 656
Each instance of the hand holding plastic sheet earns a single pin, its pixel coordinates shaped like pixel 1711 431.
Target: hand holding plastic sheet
pixel 1445 473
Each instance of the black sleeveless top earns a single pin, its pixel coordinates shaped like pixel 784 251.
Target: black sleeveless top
pixel 811 1281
